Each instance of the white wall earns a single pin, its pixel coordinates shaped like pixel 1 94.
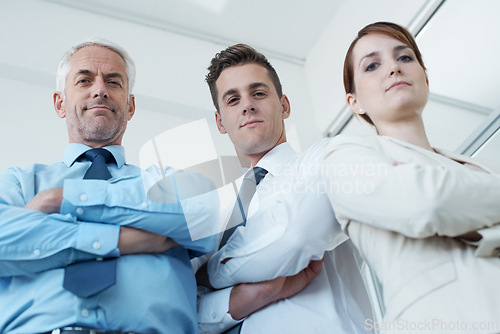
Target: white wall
pixel 325 62
pixel 447 126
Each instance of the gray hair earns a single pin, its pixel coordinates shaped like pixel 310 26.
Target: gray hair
pixel 65 67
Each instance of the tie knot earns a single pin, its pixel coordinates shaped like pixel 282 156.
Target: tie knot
pixel 259 173
pixel 95 152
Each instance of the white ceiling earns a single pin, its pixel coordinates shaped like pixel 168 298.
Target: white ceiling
pixel 458 43
pixel 278 28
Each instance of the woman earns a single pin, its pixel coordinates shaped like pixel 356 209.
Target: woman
pixel 408 206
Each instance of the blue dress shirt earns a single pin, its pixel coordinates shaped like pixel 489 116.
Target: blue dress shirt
pixel 154 293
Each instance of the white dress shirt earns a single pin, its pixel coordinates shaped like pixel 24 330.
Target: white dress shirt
pixel 290 223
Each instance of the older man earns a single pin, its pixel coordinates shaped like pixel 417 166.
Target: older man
pixel 82 247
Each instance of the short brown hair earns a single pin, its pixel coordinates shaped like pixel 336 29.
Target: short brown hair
pixel 239 54
pixel 393 30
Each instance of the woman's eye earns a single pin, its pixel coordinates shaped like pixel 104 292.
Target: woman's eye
pixel 371 67
pixel 405 58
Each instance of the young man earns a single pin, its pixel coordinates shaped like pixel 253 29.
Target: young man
pixel 268 273
pixel 54 218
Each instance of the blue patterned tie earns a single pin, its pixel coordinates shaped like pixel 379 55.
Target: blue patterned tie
pixel 85 279
pixel 239 216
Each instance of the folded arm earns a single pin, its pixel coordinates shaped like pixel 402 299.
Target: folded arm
pixel 294 234
pixel 37 237
pixel 129 203
pixel 218 312
pixel 414 199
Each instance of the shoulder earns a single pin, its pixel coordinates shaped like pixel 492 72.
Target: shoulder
pixel 313 154
pixel 349 140
pixel 30 170
pixel 347 143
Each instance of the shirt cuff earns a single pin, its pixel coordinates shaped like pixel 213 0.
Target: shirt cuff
pixel 213 307
pixel 98 239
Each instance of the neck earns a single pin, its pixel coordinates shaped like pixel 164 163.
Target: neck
pixel 250 160
pixel 411 132
pixel 94 143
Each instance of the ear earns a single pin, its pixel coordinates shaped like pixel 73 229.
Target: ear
pixel 218 121
pixel 354 104
pixel 59 104
pixel 285 105
pixel 131 106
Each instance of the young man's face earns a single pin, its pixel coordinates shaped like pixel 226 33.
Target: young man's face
pixel 251 112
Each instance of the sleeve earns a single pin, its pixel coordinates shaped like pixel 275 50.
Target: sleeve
pixel 32 241
pixel 411 198
pixel 181 207
pixel 213 308
pixel 288 230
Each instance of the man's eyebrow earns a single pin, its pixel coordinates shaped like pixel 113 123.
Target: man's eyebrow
pixel 83 71
pixel 251 86
pixel 257 85
pixel 114 75
pixel 228 92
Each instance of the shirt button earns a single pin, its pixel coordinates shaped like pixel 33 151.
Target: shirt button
pixel 36 252
pixel 79 211
pixel 96 245
pixel 83 197
pixel 214 315
pixel 85 313
pixel 144 204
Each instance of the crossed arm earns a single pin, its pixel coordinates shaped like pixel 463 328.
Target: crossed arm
pixel 264 263
pixel 45 234
pixel 130 241
pixel 247 298
pixel 416 199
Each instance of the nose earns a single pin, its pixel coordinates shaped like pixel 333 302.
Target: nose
pixel 395 68
pixel 248 106
pixel 248 109
pixel 99 89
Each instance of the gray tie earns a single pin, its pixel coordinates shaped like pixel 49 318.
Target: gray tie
pixel 239 215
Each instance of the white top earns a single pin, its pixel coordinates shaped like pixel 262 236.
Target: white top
pixel 403 206
pixel 290 223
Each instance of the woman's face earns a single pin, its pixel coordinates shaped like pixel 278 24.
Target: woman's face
pixel 390 84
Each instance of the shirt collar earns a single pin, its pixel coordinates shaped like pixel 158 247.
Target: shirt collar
pixel 74 150
pixel 274 160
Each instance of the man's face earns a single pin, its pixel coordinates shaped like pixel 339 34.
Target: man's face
pixel 251 112
pixel 97 105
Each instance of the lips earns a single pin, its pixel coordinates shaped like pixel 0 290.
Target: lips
pixel 250 122
pixel 99 107
pixel 398 84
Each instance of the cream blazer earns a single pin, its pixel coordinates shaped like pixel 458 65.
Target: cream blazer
pixel 402 206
